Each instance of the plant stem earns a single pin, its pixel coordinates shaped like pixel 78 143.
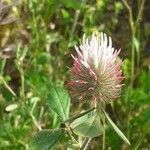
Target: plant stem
pixel 7 86
pixel 133 61
pixel 77 13
pixel 134 25
pixel 35 121
pixel 140 13
pixel 104 133
pixel 130 14
pixel 131 22
pixel 70 133
pixel 85 144
pixel 22 84
pixel 78 116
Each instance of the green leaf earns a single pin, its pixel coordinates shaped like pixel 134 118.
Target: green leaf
pixel 21 53
pixel 59 102
pixel 74 4
pixel 137 48
pixel 88 125
pixel 118 131
pixel 45 139
pixel 65 13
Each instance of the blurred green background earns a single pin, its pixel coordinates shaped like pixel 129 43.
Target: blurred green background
pixel 37 38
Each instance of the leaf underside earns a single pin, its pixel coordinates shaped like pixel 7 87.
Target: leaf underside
pixel 88 125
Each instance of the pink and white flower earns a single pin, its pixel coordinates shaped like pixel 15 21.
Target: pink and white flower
pixel 96 75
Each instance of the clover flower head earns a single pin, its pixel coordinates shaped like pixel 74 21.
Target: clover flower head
pixel 96 75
